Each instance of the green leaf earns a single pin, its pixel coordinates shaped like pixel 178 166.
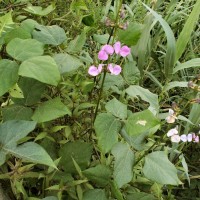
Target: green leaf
pixel 101 39
pixel 140 122
pixel 107 128
pixel 17 33
pixel 50 198
pixel 117 108
pixel 99 174
pixel 131 73
pixel 171 44
pixel 8 75
pixel 174 84
pixel 23 49
pixel 41 68
pixel 50 110
pixel 67 63
pixel 140 196
pixel 2 157
pixel 38 10
pixel 131 35
pixel 190 63
pixel 76 45
pixel 53 35
pixel 112 80
pixel 16 112
pixel 29 25
pixel 5 21
pixel 32 152
pixel 123 165
pixel 12 131
pixel 145 95
pixel 88 20
pixel 32 90
pixel 96 194
pixel 158 168
pixel 81 152
pixel 188 29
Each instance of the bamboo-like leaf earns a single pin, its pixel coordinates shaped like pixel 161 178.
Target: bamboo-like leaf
pixel 191 63
pixel 171 44
pixel 185 34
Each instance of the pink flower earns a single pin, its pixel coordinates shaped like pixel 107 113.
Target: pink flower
pixel 108 49
pixel 102 55
pixel 172 132
pixel 195 138
pixel 117 47
pixel 94 71
pixel 114 70
pixel 122 51
pixel 175 138
pixel 171 117
pixel 125 51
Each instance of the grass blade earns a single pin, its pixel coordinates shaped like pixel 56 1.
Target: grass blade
pixel 185 34
pixel 191 63
pixel 171 44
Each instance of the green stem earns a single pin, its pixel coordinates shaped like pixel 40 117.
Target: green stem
pixel 146 152
pixel 104 75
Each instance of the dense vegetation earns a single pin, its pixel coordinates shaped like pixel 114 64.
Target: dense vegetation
pixel 100 99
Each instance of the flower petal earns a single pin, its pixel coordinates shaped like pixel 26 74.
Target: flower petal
pixel 175 138
pixel 100 67
pixel 171 112
pixel 196 139
pixel 172 132
pixel 117 70
pixel 93 71
pixel 183 138
pixel 125 51
pixel 108 49
pixel 189 137
pixel 117 47
pixel 170 119
pixel 102 55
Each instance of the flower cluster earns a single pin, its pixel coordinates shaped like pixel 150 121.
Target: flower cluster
pixel 175 137
pixel 106 51
pixel 122 16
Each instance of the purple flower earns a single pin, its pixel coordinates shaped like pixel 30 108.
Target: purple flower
pixel 114 70
pixel 108 49
pixel 122 51
pixel 125 51
pixel 94 71
pixel 195 138
pixel 102 55
pixel 117 47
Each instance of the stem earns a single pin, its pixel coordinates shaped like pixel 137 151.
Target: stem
pixel 99 98
pixel 113 30
pixel 146 152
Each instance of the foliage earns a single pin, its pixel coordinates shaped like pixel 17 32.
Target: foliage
pixel 99 99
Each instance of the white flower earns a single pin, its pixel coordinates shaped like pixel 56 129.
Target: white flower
pixel 184 138
pixel 172 132
pixel 171 118
pixel 175 138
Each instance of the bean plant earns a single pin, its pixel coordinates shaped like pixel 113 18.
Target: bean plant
pixel 100 100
